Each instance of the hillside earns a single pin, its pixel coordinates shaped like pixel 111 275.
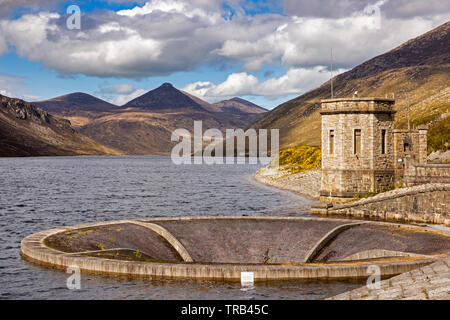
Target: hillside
pixel 417 71
pixel 75 102
pixel 26 130
pixel 145 124
pixel 239 112
pixel 239 105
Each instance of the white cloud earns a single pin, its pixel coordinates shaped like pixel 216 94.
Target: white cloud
pixel 294 81
pixel 113 45
pixel 163 37
pixel 174 6
pixel 3 45
pixel 123 88
pixel 155 5
pixel 124 98
pixel 29 31
pixel 339 9
pixel 11 85
pixel 4 92
pixel 306 41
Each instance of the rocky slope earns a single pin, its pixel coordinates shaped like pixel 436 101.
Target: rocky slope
pixel 26 130
pixel 417 73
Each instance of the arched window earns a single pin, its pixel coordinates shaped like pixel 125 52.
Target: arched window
pixel 331 142
pixel 357 141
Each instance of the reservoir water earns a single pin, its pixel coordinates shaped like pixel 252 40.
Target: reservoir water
pixel 46 192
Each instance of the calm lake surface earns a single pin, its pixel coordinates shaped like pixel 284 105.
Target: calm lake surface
pixel 46 192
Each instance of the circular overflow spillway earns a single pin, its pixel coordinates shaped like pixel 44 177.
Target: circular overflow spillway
pixel 220 248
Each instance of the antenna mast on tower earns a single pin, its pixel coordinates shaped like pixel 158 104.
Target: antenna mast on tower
pixel 331 72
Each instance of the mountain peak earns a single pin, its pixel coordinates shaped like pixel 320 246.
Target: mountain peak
pixel 165 97
pixel 75 101
pixel 167 85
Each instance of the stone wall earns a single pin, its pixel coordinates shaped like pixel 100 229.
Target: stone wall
pixel 409 145
pixel 427 203
pixel 416 174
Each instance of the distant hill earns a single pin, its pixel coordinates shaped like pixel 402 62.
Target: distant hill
pixel 416 73
pixel 26 130
pixel 239 105
pixel 79 108
pixel 145 124
pixel 241 111
pixel 75 102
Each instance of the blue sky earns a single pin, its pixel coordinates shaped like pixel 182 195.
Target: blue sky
pixel 265 51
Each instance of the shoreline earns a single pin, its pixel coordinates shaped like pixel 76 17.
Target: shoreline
pixel 306 183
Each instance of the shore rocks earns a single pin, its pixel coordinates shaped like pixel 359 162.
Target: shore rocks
pixel 305 183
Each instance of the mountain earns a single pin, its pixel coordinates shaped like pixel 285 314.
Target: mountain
pixel 165 97
pixel 241 110
pixel 75 102
pixel 78 107
pixel 415 73
pixel 145 124
pixel 239 105
pixel 26 130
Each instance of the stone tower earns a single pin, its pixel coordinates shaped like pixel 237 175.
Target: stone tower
pixel 357 147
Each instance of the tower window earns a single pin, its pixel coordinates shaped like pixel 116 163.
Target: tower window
pixel 357 141
pixel 331 141
pixel 383 141
pixel 406 147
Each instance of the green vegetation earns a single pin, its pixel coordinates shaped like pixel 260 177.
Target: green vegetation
pixel 138 254
pixel 439 136
pixel 427 297
pixel 431 108
pixel 300 158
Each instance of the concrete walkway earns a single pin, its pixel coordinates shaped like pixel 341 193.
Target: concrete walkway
pixel 431 282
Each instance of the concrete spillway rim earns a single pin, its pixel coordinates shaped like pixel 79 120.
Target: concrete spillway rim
pixel 163 232
pixel 380 253
pixel 34 250
pixel 326 239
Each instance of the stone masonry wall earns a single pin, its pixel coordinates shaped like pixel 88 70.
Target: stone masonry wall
pixel 416 174
pixel 344 173
pixel 415 152
pixel 428 203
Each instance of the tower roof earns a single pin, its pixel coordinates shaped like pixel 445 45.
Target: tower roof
pixel 375 99
pixel 357 105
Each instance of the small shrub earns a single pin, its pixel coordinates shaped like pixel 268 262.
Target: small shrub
pixel 300 158
pixel 138 254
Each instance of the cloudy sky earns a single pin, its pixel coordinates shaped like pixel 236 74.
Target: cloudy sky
pixel 264 51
